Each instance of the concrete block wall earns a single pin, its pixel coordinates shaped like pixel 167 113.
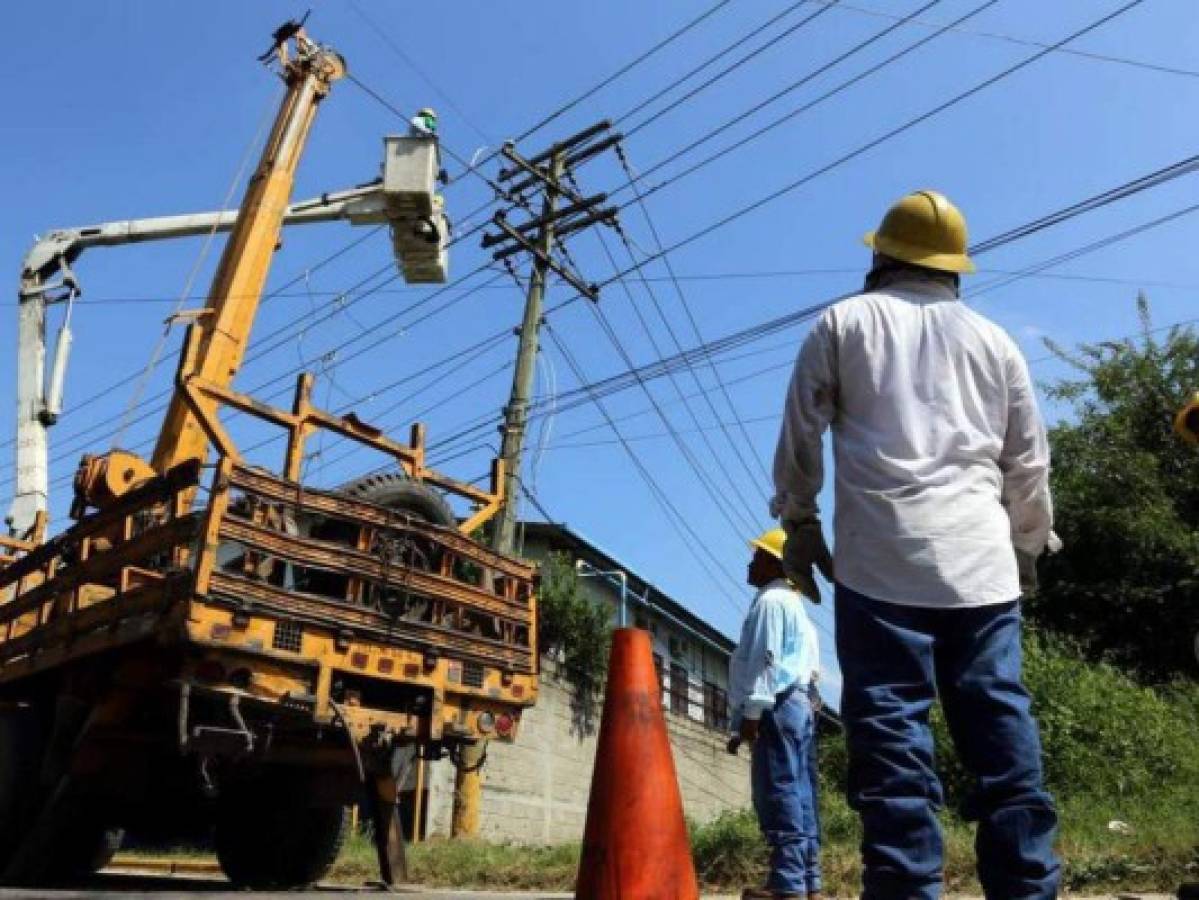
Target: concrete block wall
pixel 535 790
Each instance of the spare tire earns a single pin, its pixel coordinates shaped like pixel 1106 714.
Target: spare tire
pixel 397 491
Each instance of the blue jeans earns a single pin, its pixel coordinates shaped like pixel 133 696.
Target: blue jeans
pixel 783 794
pixel 894 661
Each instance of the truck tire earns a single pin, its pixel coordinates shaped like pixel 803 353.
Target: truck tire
pixel 266 843
pixel 397 491
pixel 82 847
pixel 21 743
pixel 82 843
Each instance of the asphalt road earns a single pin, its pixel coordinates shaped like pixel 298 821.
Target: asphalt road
pixel 117 886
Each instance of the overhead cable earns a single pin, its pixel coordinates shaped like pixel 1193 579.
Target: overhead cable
pixel 690 539
pixel 1022 41
pixel 726 71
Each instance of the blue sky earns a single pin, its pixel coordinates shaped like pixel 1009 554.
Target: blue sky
pixel 130 109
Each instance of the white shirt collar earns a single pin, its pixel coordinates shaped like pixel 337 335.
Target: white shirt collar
pixel 921 288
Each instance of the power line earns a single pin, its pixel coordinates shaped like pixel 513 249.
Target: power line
pixel 746 523
pixel 673 516
pixel 1143 183
pixel 760 275
pixel 732 442
pixel 614 383
pixel 687 27
pixel 1021 41
pixel 627 67
pixel 160 399
pixel 378 341
pixel 387 104
pixel 912 123
pixel 438 377
pixel 657 435
pixel 1000 283
pixel 411 64
pixel 656 95
pixel 127 379
pixel 805 107
pixel 1153 179
pixel 881 139
pixel 571 400
pixel 723 73
pixel 621 381
pixel 416 416
pixel 682 298
pixel 787 364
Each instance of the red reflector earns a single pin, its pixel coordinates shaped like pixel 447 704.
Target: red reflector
pixel 386 665
pixel 210 670
pixel 411 670
pixel 504 724
pixel 518 690
pixel 359 660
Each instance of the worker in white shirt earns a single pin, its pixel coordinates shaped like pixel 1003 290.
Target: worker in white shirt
pixel 772 675
pixel 941 470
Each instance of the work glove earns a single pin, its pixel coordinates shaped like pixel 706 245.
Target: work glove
pixel 805 548
pixel 1026 564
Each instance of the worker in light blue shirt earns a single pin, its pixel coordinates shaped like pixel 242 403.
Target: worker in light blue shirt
pixel 771 676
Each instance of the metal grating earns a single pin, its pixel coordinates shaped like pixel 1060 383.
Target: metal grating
pixel 472 675
pixel 289 636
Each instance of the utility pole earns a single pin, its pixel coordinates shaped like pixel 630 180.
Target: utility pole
pixel 516 414
pixel 540 237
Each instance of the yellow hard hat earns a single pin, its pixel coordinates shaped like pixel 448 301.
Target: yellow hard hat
pixel 1186 423
pixel 923 229
pixel 771 541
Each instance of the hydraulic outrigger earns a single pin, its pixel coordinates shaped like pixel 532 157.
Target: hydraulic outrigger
pixel 244 649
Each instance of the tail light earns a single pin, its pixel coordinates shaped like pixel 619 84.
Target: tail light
pixel 504 724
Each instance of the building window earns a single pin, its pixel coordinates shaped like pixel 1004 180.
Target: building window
pixel 678 690
pixel 716 707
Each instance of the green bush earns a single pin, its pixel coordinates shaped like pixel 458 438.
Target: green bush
pixel 1126 504
pixel 577 630
pixel 1103 735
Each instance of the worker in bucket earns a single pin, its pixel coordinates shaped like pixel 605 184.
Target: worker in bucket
pixel 772 688
pixel 942 471
pixel 424 123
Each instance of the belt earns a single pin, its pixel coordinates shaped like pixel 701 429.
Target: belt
pixel 785 694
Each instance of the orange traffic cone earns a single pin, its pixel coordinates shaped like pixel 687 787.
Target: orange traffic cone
pixel 635 844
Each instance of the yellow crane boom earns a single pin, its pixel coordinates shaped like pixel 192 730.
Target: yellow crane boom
pixel 225 324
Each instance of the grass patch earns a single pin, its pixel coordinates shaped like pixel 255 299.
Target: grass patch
pixel 444 863
pixel 1158 853
pixel 1114 751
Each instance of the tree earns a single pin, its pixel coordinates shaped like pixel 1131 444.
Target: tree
pixel 1126 495
pixel 576 631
